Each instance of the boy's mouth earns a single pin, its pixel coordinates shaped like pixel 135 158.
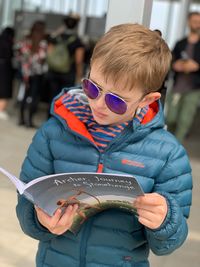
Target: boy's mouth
pixel 98 114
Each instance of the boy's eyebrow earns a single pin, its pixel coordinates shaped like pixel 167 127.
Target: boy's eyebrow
pixel 100 87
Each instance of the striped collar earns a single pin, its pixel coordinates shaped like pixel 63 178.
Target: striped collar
pixel 102 134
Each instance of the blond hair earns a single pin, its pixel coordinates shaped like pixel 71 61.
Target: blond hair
pixel 133 53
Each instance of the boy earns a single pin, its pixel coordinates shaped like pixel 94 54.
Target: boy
pixel 114 125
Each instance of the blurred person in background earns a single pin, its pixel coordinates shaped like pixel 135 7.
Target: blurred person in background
pixel 184 98
pixel 163 88
pixel 89 44
pixel 6 70
pixel 61 76
pixel 31 53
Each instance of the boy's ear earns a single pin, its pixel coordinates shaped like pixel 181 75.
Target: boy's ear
pixel 150 98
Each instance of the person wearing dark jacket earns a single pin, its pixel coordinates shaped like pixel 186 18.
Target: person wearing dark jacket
pixel 185 96
pixel 6 69
pixel 58 78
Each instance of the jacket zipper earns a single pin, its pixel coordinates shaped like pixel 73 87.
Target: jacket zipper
pixel 117 141
pixel 100 168
pixel 100 164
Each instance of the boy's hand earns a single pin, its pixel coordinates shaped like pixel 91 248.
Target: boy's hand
pixel 152 209
pixel 59 222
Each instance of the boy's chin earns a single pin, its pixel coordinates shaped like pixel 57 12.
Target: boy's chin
pixel 109 120
pixel 102 121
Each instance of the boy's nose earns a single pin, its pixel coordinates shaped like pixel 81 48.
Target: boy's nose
pixel 100 102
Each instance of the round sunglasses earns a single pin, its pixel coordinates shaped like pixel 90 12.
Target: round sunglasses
pixel 115 103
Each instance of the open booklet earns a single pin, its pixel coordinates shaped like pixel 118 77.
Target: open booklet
pixel 92 192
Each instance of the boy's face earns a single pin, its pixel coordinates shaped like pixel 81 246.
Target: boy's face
pixel 101 113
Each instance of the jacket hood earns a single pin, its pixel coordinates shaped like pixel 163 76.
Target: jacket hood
pixel 154 118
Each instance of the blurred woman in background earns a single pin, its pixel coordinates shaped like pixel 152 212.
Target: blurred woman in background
pixel 31 53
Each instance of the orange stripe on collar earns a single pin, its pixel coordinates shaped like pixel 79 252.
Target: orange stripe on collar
pixel 73 122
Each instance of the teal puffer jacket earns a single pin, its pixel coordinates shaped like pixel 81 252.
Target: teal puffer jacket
pixel 111 238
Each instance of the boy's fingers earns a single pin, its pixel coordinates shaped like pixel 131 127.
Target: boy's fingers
pixel 150 199
pixel 40 212
pixel 147 214
pixel 56 217
pixel 37 208
pixel 70 211
pixel 145 207
pixel 145 222
pixel 69 214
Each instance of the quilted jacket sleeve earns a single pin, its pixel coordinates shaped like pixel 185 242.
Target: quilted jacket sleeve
pixel 38 162
pixel 175 184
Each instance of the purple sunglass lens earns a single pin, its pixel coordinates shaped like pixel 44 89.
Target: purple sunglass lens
pixel 90 89
pixel 115 104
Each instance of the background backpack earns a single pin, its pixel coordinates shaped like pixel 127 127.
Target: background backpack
pixel 58 55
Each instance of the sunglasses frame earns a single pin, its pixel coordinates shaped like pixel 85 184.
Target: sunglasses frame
pixel 99 89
